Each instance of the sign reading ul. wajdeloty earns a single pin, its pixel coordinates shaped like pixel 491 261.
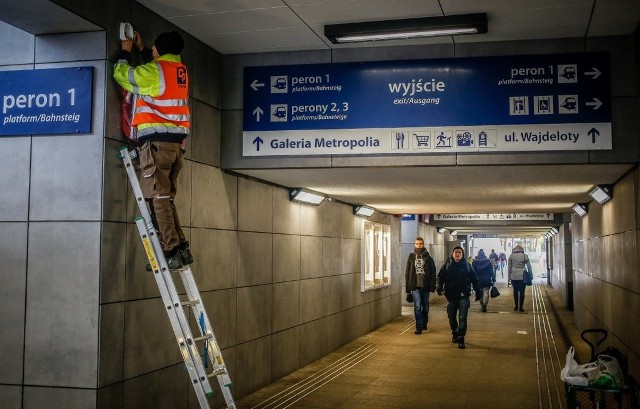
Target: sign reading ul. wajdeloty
pixel 499 104
pixel 47 101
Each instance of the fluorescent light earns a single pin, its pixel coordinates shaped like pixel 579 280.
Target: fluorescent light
pixel 407 28
pixel 405 35
pixel 454 233
pixel 442 229
pixel 602 193
pixel 580 209
pixel 554 230
pixel 305 196
pixel 363 211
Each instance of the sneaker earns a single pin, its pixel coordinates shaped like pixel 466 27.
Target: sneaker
pixel 461 344
pixel 418 332
pixel 185 253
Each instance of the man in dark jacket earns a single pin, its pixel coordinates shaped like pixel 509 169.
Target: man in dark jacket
pixel 420 280
pixel 486 277
pixel 455 279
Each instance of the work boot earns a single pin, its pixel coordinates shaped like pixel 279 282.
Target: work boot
pixel 185 253
pixel 175 261
pixel 173 258
pixel 461 344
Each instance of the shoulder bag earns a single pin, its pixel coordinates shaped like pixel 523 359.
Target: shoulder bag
pixel 527 276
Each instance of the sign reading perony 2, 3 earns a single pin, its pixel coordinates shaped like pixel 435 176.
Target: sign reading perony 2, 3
pixel 520 103
pixel 47 101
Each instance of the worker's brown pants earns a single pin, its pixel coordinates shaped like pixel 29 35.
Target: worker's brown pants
pixel 161 163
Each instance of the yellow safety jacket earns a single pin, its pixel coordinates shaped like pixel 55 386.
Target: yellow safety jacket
pixel 162 96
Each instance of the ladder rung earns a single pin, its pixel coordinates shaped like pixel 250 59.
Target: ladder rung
pixel 204 337
pixel 189 303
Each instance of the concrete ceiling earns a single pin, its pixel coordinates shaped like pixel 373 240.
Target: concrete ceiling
pixel 256 26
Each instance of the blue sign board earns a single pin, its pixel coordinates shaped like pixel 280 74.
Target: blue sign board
pixel 47 101
pixel 541 102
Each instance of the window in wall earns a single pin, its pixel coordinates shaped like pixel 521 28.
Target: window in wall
pixel 376 255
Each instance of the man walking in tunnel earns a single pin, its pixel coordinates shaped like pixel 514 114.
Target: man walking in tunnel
pixel 420 280
pixel 455 279
pixel 161 119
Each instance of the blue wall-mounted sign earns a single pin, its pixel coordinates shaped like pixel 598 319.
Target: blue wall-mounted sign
pixel 519 103
pixel 48 101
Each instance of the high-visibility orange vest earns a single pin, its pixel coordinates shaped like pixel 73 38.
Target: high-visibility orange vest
pixel 169 111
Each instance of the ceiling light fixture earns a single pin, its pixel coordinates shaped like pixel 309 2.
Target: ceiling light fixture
pixel 580 208
pixel 363 211
pixel 306 196
pixel 407 28
pixel 602 193
pixel 454 233
pixel 442 229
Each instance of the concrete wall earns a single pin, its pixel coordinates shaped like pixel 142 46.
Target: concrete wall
pixel 605 268
pixel 604 244
pixel 50 239
pixel 561 274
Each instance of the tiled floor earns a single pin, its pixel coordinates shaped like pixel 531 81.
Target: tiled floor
pixel 512 360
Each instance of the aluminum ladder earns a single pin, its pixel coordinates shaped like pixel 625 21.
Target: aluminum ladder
pixel 195 365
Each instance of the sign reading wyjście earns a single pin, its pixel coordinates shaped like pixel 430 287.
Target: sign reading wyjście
pixel 47 101
pixel 519 103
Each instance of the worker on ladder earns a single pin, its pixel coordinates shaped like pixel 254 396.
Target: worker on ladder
pixel 161 119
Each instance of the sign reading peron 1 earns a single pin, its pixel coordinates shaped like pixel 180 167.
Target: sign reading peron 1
pixel 47 101
pixel 501 104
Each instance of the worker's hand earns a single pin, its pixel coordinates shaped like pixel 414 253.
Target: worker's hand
pixel 137 40
pixel 127 44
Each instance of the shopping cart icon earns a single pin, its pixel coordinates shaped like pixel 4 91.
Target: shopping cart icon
pixel 422 139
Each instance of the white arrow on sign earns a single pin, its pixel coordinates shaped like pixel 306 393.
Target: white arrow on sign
pixel 257 112
pixel 595 104
pixel 255 85
pixel 596 73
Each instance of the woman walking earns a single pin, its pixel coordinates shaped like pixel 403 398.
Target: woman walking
pixel 518 263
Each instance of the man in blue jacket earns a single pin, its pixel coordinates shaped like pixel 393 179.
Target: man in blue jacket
pixel 486 276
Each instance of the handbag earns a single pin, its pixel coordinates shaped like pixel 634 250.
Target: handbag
pixel 527 276
pixel 494 292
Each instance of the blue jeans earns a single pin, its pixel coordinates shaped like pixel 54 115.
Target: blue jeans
pixel 457 311
pixel 421 307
